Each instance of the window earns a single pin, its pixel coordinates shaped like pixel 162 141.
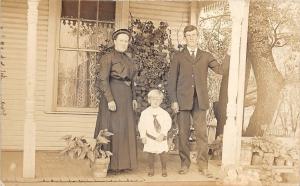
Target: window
pixel 83 26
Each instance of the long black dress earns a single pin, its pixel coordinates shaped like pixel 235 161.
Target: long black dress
pixel 116 73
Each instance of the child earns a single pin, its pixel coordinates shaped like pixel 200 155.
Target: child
pixel 153 126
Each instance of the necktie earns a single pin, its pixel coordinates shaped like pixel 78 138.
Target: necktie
pixel 156 124
pixel 193 54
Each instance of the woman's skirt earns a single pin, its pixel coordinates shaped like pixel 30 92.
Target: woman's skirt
pixel 122 124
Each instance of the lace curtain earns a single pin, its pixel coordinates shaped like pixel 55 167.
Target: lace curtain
pixel 84 25
pixel 76 67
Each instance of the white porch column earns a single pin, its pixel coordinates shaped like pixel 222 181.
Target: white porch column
pixel 241 82
pixel 29 126
pixel 232 130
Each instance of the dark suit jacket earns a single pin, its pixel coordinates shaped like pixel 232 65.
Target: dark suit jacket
pixel 187 74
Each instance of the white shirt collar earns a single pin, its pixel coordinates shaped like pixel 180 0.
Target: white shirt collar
pixel 192 49
pixel 155 110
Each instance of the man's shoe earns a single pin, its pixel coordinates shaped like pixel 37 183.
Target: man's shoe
pixel 206 173
pixel 151 173
pixel 183 170
pixel 164 173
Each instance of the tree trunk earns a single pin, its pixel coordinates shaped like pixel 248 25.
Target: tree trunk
pixel 269 81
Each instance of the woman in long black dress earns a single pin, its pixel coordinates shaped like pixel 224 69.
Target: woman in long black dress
pixel 117 103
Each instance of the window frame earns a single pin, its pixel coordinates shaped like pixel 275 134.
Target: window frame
pixel 121 20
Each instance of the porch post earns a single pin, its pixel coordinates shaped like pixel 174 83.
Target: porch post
pixel 29 126
pixel 232 134
pixel 242 77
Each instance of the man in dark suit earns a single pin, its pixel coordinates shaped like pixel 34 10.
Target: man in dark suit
pixel 187 88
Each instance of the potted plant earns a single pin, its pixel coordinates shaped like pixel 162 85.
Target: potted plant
pixel 92 150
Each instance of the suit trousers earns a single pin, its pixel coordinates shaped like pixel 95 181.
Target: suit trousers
pixel 199 123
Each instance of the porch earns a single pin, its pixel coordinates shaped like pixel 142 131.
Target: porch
pixel 55 168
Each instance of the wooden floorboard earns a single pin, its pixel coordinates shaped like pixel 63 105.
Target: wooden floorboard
pixel 51 167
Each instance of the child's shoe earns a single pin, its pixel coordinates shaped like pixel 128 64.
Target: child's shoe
pixel 164 173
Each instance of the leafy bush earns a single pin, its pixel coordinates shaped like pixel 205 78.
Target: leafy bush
pixel 151 49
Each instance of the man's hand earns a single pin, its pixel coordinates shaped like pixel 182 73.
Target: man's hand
pixel 160 138
pixel 175 107
pixel 112 106
pixel 134 105
pixel 144 140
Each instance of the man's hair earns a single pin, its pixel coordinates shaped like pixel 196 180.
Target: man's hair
pixel 189 28
pixel 155 93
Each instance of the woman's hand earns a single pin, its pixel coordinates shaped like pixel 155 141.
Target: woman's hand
pixel 175 107
pixel 144 140
pixel 112 106
pixel 134 105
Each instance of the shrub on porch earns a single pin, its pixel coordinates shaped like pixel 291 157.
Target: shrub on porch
pixel 151 49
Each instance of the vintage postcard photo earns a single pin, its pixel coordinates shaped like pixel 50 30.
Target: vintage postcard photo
pixel 102 92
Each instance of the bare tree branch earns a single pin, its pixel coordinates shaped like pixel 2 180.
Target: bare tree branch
pixel 274 38
pixel 281 45
pixel 212 17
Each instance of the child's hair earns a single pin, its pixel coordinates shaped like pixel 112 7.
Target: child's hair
pixel 155 93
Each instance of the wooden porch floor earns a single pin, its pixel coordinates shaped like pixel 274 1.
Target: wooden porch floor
pixel 52 167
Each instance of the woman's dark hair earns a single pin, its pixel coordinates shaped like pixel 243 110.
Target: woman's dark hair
pixel 120 31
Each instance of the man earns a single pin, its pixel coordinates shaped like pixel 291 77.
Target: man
pixel 187 88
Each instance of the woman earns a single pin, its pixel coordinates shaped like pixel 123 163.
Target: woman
pixel 117 103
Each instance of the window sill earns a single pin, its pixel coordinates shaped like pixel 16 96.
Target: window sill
pixel 71 113
pixel 74 111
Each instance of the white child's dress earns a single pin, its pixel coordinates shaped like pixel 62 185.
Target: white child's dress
pixel 146 125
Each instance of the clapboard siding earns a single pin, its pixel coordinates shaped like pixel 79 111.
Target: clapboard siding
pixel 13 18
pixel 14 14
pixel 176 14
pixel 165 4
pixel 52 126
pixel 182 7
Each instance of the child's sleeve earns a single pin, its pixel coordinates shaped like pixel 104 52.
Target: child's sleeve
pixel 142 126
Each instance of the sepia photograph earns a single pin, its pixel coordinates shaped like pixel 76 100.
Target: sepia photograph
pixel 150 92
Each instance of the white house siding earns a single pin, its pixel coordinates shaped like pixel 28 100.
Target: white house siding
pixel 175 13
pixel 52 126
pixel 13 19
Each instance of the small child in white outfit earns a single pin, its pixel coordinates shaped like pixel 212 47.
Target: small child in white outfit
pixel 153 126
